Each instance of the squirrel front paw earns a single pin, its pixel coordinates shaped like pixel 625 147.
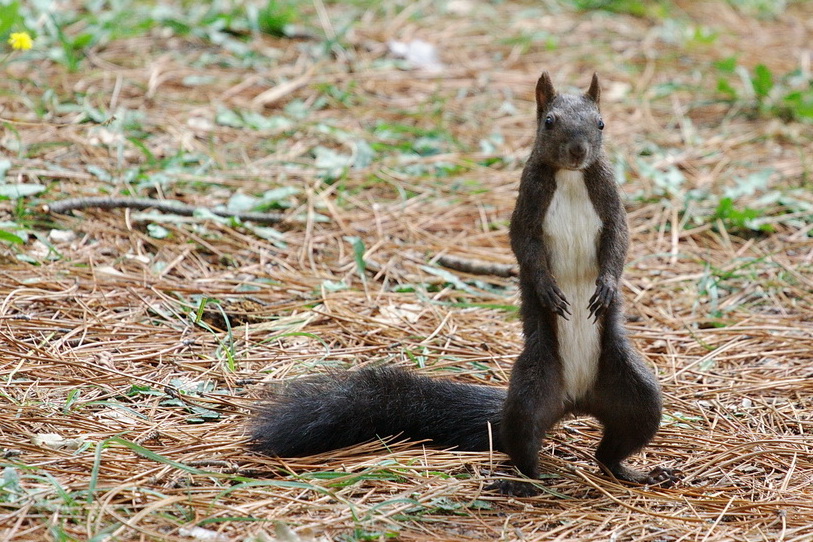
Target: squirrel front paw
pixel 552 297
pixel 606 290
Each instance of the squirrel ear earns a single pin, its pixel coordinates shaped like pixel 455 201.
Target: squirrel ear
pixel 544 93
pixel 594 92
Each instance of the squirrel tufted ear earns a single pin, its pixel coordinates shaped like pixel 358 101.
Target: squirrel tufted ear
pixel 594 92
pixel 544 93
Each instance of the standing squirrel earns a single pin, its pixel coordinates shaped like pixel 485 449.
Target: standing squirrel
pixel 569 234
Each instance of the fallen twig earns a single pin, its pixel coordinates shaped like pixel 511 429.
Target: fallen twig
pixel 478 267
pixel 165 206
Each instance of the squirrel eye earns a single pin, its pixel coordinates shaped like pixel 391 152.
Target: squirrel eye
pixel 548 121
pixel 600 124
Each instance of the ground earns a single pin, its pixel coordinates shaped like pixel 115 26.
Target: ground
pixel 134 341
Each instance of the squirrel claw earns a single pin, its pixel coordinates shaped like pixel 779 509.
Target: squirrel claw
pixel 662 477
pixel 601 299
pixel 596 309
pixel 551 296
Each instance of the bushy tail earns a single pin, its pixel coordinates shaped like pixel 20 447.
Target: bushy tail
pixel 318 414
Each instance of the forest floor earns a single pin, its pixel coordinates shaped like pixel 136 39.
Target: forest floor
pixel 132 342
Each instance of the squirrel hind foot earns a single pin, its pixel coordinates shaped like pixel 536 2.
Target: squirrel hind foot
pixel 662 477
pixel 514 488
pixel 659 476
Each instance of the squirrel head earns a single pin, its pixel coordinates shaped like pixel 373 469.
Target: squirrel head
pixel 569 126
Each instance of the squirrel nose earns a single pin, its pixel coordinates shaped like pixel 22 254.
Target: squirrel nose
pixel 577 151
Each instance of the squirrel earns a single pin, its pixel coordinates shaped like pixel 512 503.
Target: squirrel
pixel 569 234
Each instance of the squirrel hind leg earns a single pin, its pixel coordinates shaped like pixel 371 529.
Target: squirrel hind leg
pixel 625 433
pixel 627 429
pixel 627 401
pixel 533 404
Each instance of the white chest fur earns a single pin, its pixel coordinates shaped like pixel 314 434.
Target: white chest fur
pixel 571 228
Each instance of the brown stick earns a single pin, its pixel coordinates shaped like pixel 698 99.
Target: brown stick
pixel 478 267
pixel 165 206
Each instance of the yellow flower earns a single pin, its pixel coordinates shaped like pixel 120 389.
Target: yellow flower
pixel 20 40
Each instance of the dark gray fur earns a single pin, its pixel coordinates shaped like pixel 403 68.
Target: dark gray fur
pixel 317 414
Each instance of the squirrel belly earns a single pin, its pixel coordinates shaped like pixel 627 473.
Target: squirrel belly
pixel 571 228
